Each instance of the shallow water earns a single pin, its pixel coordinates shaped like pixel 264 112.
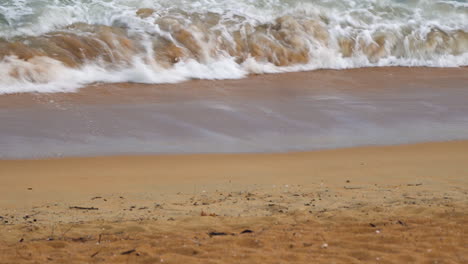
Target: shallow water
pixel 274 113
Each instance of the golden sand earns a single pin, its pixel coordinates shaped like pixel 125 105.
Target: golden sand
pixel 395 204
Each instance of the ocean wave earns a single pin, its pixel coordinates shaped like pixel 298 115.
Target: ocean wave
pixel 61 45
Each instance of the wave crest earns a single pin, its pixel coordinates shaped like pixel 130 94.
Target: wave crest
pixel 171 45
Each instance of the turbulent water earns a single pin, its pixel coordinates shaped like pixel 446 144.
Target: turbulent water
pixel 61 45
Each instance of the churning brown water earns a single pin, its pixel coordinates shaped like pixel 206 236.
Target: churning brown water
pixel 51 46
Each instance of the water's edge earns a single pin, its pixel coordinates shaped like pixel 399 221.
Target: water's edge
pixel 268 113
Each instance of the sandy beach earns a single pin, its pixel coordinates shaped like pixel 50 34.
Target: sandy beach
pixel 390 204
pixel 306 167
pixel 234 132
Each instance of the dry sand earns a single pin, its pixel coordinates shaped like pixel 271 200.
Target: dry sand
pixel 394 204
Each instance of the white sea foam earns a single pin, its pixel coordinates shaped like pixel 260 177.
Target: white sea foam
pixel 43 74
pixel 344 34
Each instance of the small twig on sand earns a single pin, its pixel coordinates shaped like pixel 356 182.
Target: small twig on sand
pixel 211 234
pixel 128 252
pixel 83 208
pixel 352 188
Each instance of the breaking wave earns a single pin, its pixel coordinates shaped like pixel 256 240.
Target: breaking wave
pixel 61 45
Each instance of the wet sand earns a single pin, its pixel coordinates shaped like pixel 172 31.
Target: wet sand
pixel 388 204
pixel 378 80
pixel 297 111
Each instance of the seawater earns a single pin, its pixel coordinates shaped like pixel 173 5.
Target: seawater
pixel 62 45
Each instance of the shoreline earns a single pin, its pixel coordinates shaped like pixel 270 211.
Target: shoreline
pixel 233 132
pixel 298 111
pixel 404 203
pixel 323 79
pixel 226 154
